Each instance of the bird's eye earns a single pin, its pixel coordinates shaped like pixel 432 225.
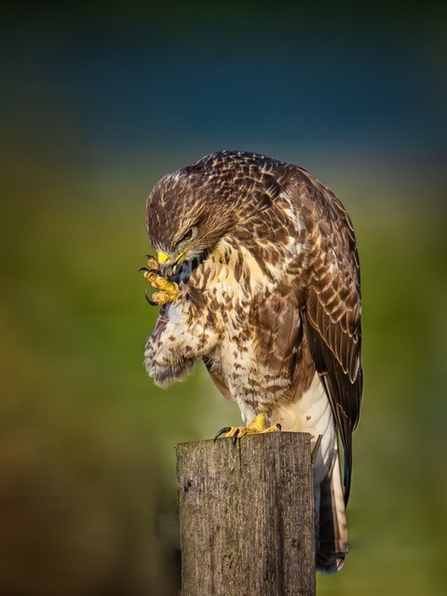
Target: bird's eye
pixel 188 235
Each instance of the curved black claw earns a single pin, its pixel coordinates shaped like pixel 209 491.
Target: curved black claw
pixel 235 436
pixel 149 300
pixel 278 426
pixel 147 270
pixel 222 431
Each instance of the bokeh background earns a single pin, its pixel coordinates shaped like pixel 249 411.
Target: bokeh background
pixel 98 101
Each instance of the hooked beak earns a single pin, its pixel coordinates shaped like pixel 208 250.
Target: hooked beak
pixel 162 257
pixel 176 270
pixel 168 267
pixel 165 259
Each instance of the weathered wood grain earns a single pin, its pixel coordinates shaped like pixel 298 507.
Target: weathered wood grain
pixel 247 516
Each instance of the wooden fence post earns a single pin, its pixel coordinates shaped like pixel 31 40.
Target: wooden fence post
pixel 247 516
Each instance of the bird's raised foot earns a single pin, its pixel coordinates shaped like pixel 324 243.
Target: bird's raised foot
pixel 257 426
pixel 169 290
pixel 152 264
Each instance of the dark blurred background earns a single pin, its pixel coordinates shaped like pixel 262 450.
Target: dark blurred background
pixel 98 101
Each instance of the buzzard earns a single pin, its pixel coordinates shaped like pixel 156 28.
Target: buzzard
pixel 257 274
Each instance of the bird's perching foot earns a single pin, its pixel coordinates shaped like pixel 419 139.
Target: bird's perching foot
pixel 257 426
pixel 168 290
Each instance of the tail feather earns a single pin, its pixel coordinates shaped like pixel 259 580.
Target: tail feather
pixel 331 530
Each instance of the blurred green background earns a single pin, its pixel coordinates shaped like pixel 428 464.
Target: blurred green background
pixel 98 101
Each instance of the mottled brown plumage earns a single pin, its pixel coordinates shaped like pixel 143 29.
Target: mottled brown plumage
pixel 267 269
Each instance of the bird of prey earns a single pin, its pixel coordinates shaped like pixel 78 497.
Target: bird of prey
pixel 257 274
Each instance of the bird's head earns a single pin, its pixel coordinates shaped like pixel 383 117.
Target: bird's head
pixel 182 224
pixel 190 211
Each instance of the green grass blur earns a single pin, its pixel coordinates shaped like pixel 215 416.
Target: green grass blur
pixel 87 443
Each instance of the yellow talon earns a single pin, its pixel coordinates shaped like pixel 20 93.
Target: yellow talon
pixel 169 290
pixel 153 264
pixel 256 426
pixel 161 298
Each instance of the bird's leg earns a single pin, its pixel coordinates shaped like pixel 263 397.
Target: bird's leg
pixel 169 290
pixel 257 426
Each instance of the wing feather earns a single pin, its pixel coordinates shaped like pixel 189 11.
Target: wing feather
pixel 332 309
